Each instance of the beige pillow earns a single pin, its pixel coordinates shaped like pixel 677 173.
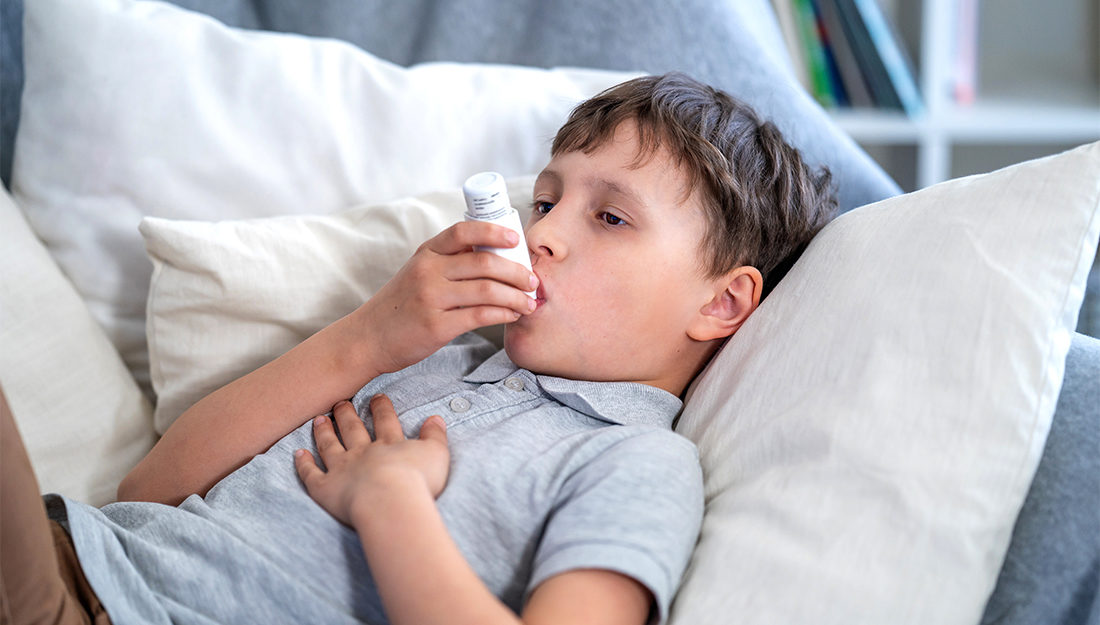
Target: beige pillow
pixel 869 435
pixel 229 296
pixel 83 420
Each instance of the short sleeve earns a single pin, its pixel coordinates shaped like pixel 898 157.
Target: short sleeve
pixel 635 507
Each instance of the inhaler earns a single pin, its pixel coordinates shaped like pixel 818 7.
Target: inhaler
pixel 487 200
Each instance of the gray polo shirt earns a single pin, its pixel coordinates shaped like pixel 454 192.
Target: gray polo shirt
pixel 547 475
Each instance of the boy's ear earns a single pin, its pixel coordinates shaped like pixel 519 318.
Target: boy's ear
pixel 735 299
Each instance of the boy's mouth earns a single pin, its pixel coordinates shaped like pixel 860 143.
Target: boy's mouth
pixel 540 293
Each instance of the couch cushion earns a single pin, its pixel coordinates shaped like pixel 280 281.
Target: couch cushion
pixel 1051 573
pixel 739 50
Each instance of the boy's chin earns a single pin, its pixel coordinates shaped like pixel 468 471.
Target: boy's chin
pixel 523 351
pixel 513 346
pixel 533 358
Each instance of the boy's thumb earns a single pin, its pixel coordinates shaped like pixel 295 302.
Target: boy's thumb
pixel 434 428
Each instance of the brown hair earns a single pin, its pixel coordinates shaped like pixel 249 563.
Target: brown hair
pixel 763 203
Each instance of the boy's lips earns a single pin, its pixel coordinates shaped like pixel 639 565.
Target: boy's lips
pixel 540 293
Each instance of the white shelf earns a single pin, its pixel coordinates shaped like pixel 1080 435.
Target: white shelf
pixel 984 123
pixel 1026 102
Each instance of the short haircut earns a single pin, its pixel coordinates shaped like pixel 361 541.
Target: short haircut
pixel 763 203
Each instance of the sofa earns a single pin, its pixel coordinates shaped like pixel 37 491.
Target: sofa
pixel 905 432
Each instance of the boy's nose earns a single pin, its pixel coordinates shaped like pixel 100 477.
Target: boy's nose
pixel 544 238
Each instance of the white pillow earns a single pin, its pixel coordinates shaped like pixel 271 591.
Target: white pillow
pixel 82 419
pixel 142 108
pixel 869 435
pixel 229 296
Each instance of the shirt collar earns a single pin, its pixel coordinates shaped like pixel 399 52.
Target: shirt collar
pixel 622 403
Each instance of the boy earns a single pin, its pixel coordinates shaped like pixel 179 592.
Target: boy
pixel 665 213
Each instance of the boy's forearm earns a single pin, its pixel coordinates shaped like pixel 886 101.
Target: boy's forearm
pixel 228 427
pixel 421 575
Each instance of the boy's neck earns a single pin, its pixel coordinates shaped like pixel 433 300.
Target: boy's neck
pixel 687 367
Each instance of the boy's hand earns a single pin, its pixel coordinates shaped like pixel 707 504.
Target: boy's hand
pixel 361 472
pixel 444 290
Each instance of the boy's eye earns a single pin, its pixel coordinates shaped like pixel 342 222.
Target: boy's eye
pixel 611 220
pixel 542 207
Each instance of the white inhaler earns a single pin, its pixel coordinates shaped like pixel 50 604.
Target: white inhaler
pixel 487 200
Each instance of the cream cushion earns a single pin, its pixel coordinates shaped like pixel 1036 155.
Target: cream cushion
pixel 227 297
pixel 83 420
pixel 141 108
pixel 869 435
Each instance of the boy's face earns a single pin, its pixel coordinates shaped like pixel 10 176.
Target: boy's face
pixel 615 247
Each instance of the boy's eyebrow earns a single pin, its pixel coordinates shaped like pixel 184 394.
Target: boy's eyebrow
pixel 598 183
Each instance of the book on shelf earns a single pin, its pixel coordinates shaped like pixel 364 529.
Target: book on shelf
pixel 964 69
pixel 784 13
pixel 821 81
pixel 836 85
pixel 851 54
pixel 846 60
pixel 891 53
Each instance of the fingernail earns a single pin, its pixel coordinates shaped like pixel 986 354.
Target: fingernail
pixel 301 452
pixel 512 237
pixel 534 281
pixel 319 420
pixel 342 402
pixel 531 304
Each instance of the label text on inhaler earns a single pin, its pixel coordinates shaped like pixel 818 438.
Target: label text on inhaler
pixel 483 207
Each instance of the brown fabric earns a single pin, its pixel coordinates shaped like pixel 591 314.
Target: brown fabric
pixel 73 576
pixel 40 577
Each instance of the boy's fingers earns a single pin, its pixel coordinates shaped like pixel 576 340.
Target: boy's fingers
pixel 489 265
pixel 470 293
pixel 386 425
pixel 434 429
pixel 481 316
pixel 327 443
pixel 352 429
pixel 466 234
pixel 307 468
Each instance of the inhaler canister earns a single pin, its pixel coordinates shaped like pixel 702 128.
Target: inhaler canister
pixel 487 200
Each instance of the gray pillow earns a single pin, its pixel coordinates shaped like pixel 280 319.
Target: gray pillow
pixel 11 80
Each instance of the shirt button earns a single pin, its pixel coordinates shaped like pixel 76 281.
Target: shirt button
pixel 460 404
pixel 515 384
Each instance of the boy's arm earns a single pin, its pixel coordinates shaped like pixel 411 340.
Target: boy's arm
pixel 386 490
pixel 423 578
pixel 226 428
pixel 444 290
